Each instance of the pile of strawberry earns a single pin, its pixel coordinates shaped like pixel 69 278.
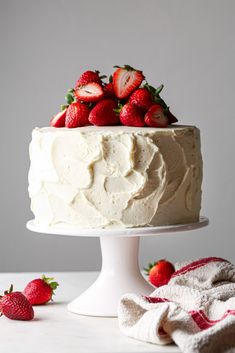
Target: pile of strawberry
pixel 126 100
pixel 19 305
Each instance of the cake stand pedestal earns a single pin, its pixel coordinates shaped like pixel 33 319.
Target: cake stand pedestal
pixel 120 272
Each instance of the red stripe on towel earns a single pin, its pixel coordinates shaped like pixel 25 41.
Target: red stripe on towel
pixel 196 264
pixel 203 322
pixel 154 300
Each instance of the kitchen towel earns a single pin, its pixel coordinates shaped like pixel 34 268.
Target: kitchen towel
pixel 196 309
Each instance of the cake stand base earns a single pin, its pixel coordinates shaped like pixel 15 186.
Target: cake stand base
pixel 120 271
pixel 119 274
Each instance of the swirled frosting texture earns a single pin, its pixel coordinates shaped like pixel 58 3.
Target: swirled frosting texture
pixel 115 176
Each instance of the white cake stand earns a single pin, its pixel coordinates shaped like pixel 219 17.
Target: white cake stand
pixel 120 272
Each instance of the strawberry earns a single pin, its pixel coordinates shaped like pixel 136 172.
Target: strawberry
pixel 156 117
pixel 59 119
pixel 77 115
pixel 40 290
pixel 90 92
pixel 87 77
pixel 16 306
pixel 159 273
pixel 131 115
pixel 108 90
pixel 104 113
pixel 142 98
pixel 126 80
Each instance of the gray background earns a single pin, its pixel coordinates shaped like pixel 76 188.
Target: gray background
pixel 45 45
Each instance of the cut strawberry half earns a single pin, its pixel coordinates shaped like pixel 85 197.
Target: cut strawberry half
pixel 91 92
pixel 126 80
pixel 59 119
pixel 155 116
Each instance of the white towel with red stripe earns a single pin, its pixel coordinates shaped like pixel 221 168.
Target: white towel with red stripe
pixel 196 309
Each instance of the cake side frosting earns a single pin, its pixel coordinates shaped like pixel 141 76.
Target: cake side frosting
pixel 115 176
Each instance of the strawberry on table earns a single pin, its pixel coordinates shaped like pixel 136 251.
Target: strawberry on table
pixel 90 92
pixel 142 98
pixel 131 115
pixel 126 80
pixel 15 306
pixel 156 117
pixel 40 290
pixel 159 273
pixel 77 115
pixel 87 77
pixel 104 113
pixel 59 119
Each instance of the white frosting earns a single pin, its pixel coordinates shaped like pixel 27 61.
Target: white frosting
pixel 99 177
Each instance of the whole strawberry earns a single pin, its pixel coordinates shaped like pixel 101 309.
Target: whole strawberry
pixel 87 77
pixel 40 290
pixel 77 115
pixel 104 113
pixel 108 90
pixel 15 306
pixel 159 273
pixel 131 115
pixel 141 98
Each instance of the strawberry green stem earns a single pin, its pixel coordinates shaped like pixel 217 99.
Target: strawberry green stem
pixel 126 67
pixel 50 281
pixel 63 106
pixel 10 290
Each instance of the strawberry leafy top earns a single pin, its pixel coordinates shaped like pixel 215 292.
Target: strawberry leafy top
pixel 50 281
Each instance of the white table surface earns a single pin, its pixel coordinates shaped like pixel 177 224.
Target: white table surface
pixel 55 330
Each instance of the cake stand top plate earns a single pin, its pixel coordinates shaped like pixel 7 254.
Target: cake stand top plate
pixel 117 232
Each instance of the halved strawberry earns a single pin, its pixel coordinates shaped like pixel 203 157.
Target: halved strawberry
pixel 155 116
pixel 104 114
pixel 87 77
pixel 59 119
pixel 126 80
pixel 77 115
pixel 91 92
pixel 131 115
